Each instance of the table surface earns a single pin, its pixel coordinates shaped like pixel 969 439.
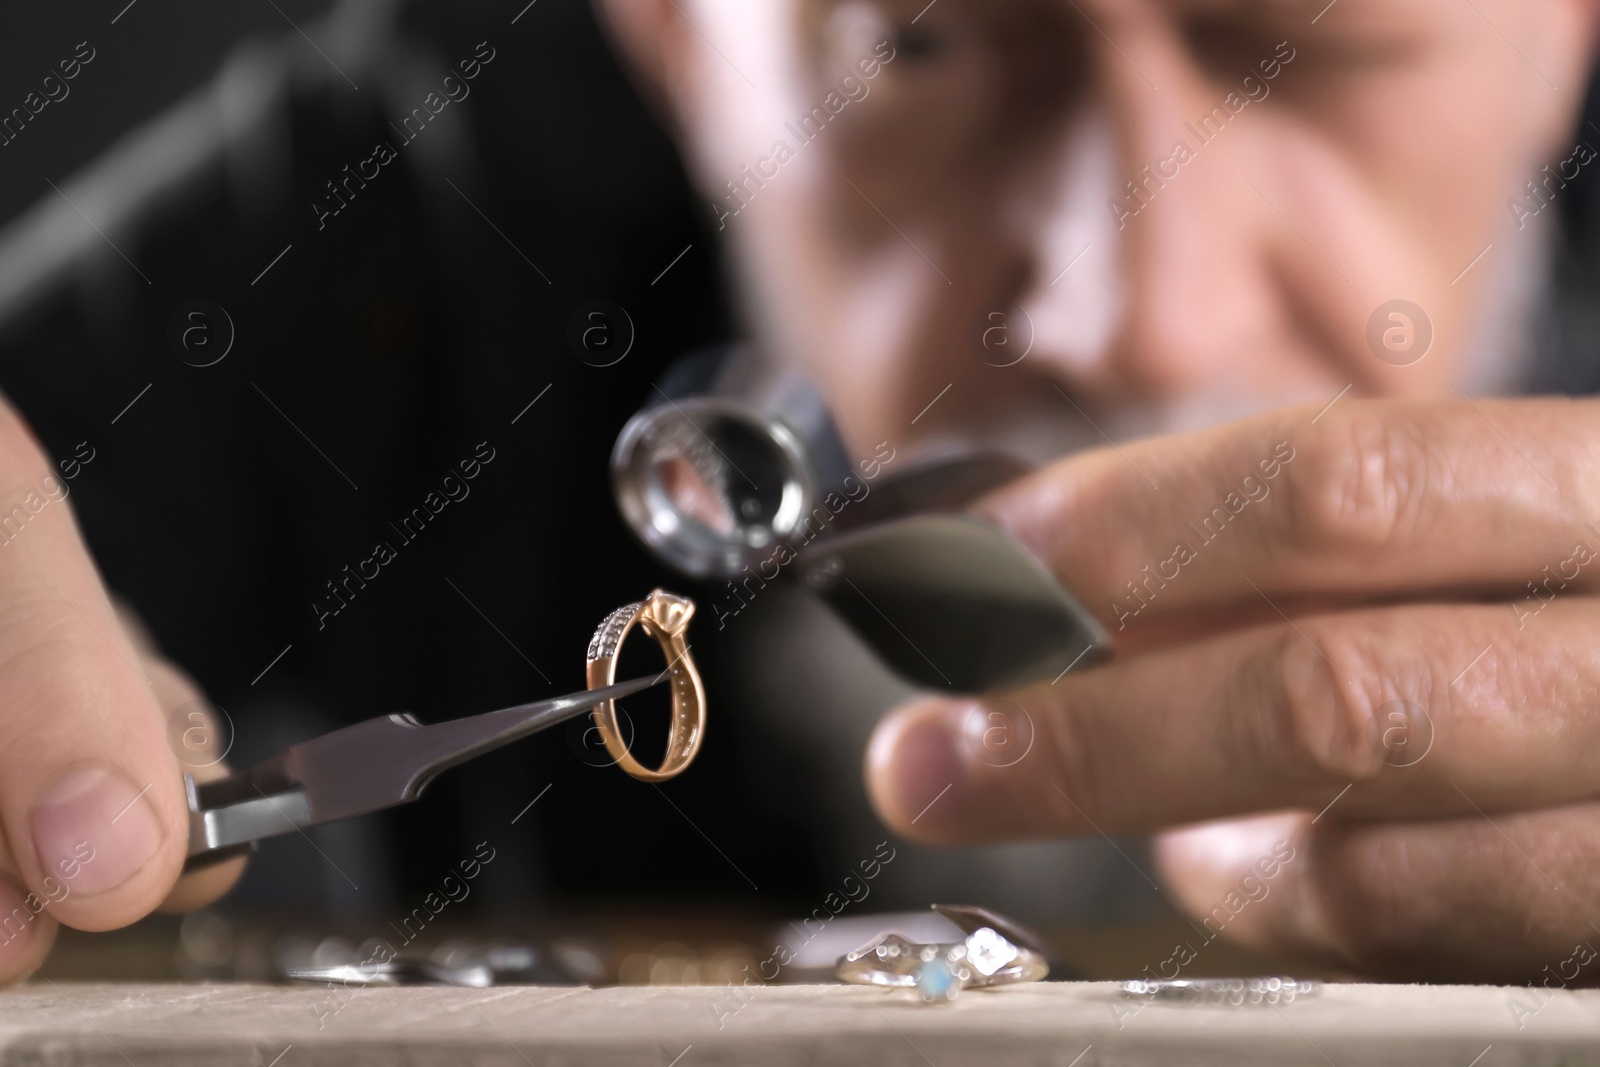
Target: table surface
pixel 1073 1024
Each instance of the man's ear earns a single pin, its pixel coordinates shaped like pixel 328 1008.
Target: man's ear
pixel 648 35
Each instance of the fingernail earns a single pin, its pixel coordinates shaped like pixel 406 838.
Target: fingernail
pixel 917 766
pixel 19 913
pixel 95 829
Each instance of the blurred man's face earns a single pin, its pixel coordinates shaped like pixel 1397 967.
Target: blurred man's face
pixel 1048 218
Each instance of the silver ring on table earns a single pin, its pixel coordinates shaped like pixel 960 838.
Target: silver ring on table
pixel 1235 992
pixel 940 971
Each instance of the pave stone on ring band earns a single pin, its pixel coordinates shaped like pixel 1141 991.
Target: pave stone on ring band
pixel 664 617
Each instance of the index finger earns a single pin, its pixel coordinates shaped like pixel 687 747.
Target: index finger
pixel 1364 498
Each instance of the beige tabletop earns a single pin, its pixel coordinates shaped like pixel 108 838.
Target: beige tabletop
pixel 1078 1024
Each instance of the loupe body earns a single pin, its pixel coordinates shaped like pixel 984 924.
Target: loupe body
pixel 736 473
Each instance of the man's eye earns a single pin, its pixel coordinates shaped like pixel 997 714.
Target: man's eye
pixel 1228 49
pixel 854 28
pixel 920 44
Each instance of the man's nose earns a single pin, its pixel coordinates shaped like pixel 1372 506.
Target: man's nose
pixel 1218 285
pixel 1195 272
pixel 1196 279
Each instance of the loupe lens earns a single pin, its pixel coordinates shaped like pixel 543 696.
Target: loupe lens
pixel 709 485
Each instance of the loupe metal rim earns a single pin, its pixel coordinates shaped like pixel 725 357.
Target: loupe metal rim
pixel 683 541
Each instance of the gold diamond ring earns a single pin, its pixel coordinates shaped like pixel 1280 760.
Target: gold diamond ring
pixel 664 617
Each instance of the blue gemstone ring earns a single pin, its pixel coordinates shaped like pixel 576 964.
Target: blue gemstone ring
pixel 986 957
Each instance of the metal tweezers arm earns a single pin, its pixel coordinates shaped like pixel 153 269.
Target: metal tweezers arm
pixel 372 765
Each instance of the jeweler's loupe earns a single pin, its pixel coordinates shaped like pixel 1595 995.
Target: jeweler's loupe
pixel 736 472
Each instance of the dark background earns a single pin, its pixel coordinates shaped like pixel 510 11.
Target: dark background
pixel 376 354
pixel 158 52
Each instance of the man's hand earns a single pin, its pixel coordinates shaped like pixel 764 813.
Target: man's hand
pixel 93 826
pixel 1373 622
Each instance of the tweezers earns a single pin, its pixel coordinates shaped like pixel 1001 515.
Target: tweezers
pixel 376 764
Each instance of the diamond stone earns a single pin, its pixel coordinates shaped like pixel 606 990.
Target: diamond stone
pixel 669 614
pixel 987 951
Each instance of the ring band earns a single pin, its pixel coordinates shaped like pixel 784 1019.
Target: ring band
pixel 664 617
pixel 1229 991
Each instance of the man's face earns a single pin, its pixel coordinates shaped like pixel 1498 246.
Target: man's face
pixel 1025 222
